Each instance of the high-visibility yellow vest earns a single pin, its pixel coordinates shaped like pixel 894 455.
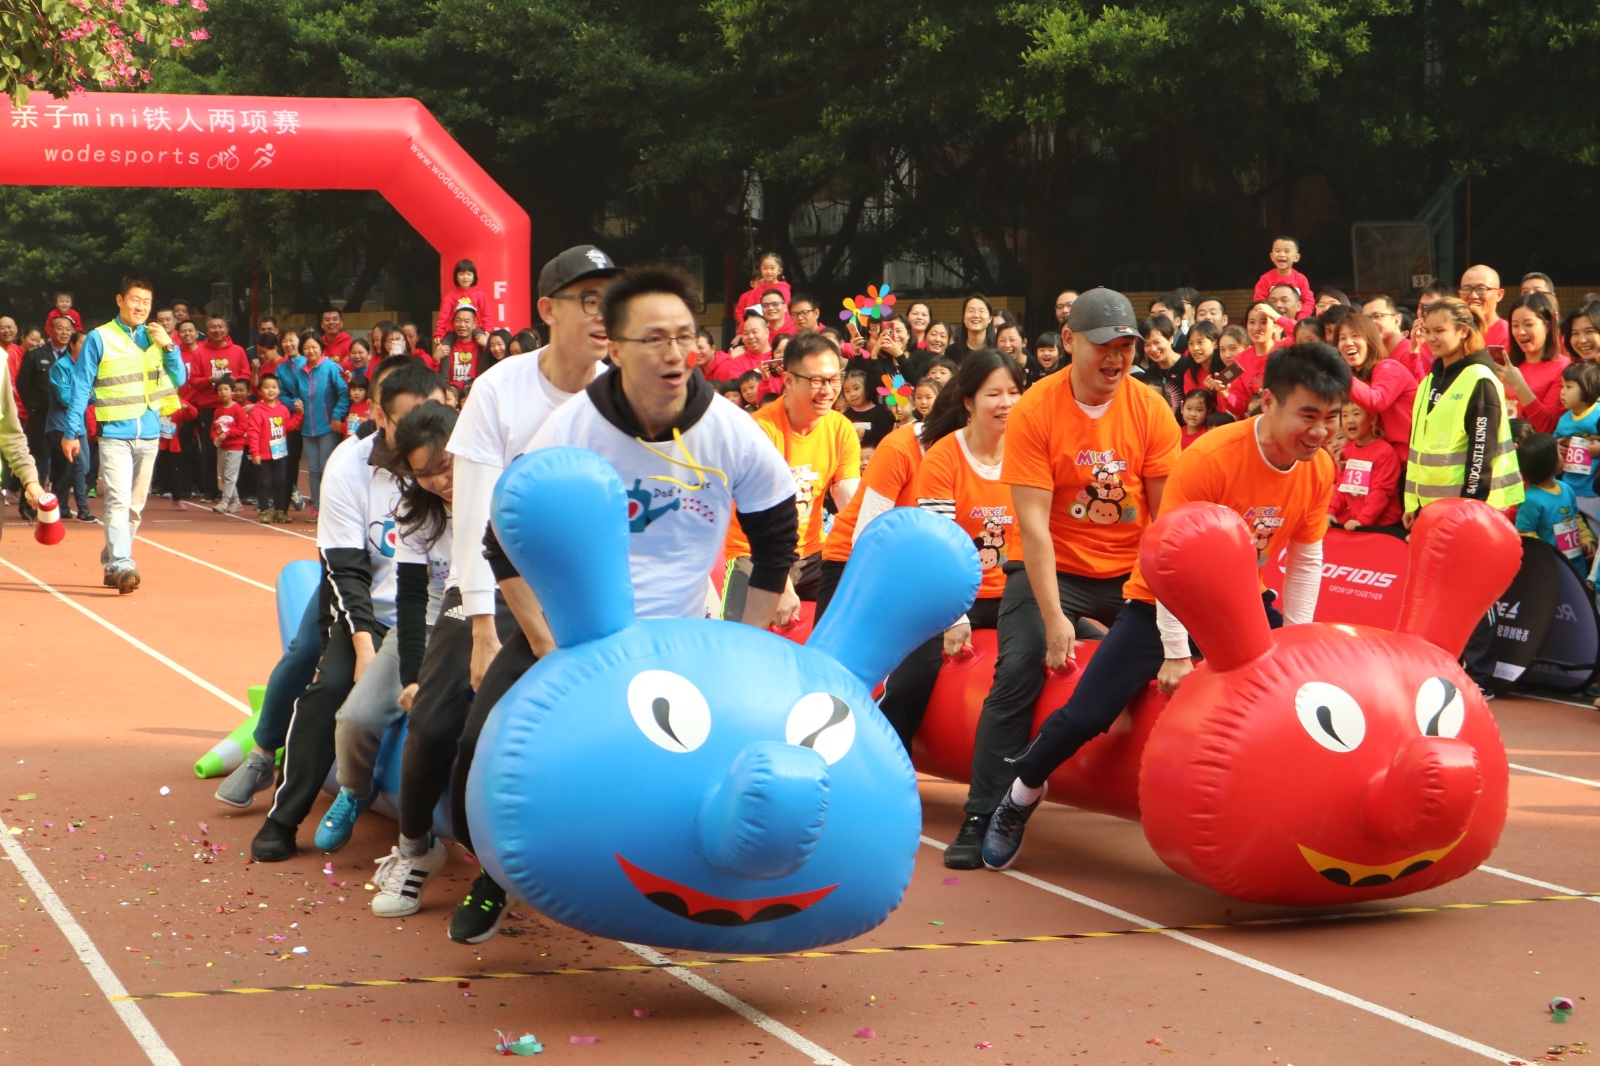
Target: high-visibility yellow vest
pixel 1437 466
pixel 130 381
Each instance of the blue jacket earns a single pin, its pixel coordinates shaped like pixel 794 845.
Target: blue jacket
pixel 62 372
pixel 297 382
pixel 87 368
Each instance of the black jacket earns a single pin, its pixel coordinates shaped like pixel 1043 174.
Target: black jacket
pixel 33 383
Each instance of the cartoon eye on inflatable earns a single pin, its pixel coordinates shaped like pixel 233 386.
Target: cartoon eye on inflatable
pixel 822 723
pixel 669 710
pixel 1440 712
pixel 1331 715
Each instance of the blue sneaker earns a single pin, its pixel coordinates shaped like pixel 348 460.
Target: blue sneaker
pixel 1004 839
pixel 340 821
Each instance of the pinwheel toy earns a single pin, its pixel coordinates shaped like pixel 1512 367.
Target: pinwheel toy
pixel 895 391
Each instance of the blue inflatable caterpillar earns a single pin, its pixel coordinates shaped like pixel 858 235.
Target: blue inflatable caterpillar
pixel 692 783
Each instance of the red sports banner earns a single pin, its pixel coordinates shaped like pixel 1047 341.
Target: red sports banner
pixel 1363 576
pixel 394 147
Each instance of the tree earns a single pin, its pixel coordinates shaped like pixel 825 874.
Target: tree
pixel 57 46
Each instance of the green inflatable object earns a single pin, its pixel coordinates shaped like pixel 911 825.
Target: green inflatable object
pixel 229 752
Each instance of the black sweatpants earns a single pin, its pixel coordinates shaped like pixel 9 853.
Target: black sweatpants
pixel 272 485
pixel 1128 659
pixel 906 693
pixel 514 659
pixel 308 753
pixel 1007 715
pixel 439 711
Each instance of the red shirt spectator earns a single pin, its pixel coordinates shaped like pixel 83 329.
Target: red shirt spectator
pixel 1264 284
pixel 1367 492
pixel 268 423
pixel 215 358
pixel 229 427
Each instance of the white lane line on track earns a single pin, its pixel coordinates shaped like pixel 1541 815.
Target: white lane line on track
pixel 1465 1043
pixel 1534 881
pixel 139 1026
pixel 1552 773
pixel 181 670
pixel 762 1021
pixel 1552 699
pixel 818 1053
pixel 202 562
pixel 274 527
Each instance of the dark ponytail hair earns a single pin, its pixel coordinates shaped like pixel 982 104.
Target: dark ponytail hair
pixel 950 409
pixel 426 425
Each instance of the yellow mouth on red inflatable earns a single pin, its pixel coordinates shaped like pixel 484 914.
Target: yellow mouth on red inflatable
pixel 1355 875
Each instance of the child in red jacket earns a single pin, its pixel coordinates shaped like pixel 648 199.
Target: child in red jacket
pixel 1368 492
pixel 227 434
pixel 465 291
pixel 1285 254
pixel 269 424
pixel 360 408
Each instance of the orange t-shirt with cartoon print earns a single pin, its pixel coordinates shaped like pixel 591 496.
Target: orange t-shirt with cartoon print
pixel 952 483
pixel 819 460
pixel 1097 468
pixel 1226 466
pixel 892 474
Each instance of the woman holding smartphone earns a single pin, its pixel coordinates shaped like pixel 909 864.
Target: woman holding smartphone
pixel 1531 371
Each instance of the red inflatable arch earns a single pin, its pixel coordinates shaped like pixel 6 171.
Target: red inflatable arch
pixel 394 147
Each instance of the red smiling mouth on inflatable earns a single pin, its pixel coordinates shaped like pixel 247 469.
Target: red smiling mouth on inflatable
pixel 685 902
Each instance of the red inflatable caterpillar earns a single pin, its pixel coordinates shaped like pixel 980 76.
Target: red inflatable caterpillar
pixel 1317 764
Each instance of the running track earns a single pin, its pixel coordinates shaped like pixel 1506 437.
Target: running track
pixel 107 700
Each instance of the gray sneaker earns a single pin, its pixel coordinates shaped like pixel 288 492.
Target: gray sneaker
pixel 254 775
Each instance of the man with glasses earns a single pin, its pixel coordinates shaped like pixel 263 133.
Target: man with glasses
pixel 686 457
pixel 1386 314
pixel 510 402
pixel 776 314
pixel 1480 288
pixel 819 447
pixel 805 312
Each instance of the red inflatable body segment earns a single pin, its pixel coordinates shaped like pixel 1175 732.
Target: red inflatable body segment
pixel 393 147
pixel 1316 765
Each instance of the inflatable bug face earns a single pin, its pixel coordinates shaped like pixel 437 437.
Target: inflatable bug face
pixel 1321 764
pixel 692 783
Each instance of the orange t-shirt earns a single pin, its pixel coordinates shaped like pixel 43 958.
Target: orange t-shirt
pixel 892 474
pixel 951 483
pixel 1097 468
pixel 1226 466
pixel 819 460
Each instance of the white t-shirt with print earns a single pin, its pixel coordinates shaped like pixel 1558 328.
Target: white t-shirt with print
pixel 680 498
pixel 410 548
pixel 358 503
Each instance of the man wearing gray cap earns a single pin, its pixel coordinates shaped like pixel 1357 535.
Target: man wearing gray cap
pixel 510 401
pixel 1087 459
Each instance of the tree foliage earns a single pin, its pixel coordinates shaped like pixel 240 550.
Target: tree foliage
pixel 1018 143
pixel 57 46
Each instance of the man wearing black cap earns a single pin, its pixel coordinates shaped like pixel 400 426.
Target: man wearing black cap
pixel 1086 459
pixel 510 401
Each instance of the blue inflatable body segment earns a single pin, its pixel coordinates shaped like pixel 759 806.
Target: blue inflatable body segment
pixel 690 783
pixel 297 583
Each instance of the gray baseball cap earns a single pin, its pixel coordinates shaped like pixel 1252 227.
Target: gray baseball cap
pixel 575 264
pixel 1103 315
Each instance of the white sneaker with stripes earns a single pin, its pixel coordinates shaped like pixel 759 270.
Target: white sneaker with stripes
pixel 400 880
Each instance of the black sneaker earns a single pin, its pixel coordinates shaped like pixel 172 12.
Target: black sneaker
pixel 966 850
pixel 274 842
pixel 478 917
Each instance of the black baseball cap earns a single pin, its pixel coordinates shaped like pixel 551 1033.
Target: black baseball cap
pixel 575 264
pixel 1103 315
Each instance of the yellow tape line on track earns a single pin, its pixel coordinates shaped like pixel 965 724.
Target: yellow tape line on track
pixel 1253 923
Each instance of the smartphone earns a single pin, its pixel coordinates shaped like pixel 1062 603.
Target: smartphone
pixel 771 364
pixel 1232 372
pixel 1497 352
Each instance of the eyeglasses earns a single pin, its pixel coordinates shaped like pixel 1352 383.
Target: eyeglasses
pixel 818 384
pixel 658 345
pixel 588 301
pixel 774 306
pixel 806 312
pixel 1381 314
pixel 1475 290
